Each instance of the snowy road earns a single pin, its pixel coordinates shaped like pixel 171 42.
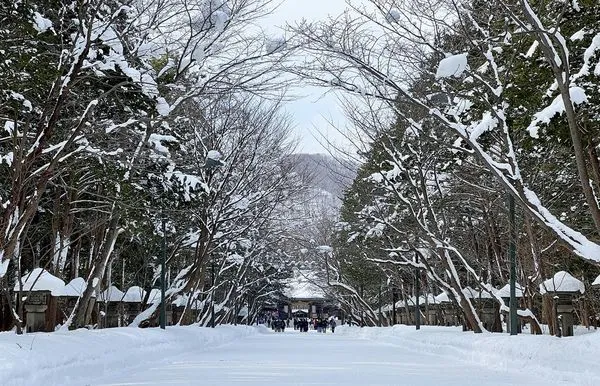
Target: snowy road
pixel 295 358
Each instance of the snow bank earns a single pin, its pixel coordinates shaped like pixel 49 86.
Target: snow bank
pixel 71 358
pixel 570 360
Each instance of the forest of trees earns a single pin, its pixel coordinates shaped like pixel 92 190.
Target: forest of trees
pixel 460 107
pixel 127 124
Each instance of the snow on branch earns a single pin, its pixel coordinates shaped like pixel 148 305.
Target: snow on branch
pixel 557 106
pixel 40 23
pixel 452 66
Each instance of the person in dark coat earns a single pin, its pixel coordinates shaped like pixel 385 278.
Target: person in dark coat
pixel 304 325
pixel 332 324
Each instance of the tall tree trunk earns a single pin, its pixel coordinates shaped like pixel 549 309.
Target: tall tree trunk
pixel 454 286
pixel 83 308
pixel 595 162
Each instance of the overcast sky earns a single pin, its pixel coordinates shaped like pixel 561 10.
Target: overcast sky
pixel 311 113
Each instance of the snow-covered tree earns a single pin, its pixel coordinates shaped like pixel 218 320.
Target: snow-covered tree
pixel 475 46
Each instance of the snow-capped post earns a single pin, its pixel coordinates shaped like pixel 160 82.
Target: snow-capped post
pixel 562 288
pixel 35 291
pixel 504 293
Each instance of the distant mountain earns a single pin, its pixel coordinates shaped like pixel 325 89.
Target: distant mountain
pixel 329 175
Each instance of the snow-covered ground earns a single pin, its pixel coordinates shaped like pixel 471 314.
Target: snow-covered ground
pixel 81 357
pixel 256 356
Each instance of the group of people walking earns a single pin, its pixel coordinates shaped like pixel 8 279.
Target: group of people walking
pixel 301 324
pixel 320 325
pixel 278 325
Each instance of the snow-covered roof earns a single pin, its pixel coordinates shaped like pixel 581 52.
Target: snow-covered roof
pixel 154 296
pixel 443 298
pixel 387 308
pixel 111 294
pixel 429 299
pixel 182 299
pixel 40 280
pixel 302 286
pixel 197 304
pixel 596 282
pixel 562 282
pixel 75 288
pixel 470 293
pixel 134 294
pixel 504 292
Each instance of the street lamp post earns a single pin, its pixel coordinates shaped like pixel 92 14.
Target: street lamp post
pixel 248 321
pixel 513 266
pixel 212 296
pixel 211 163
pixel 394 300
pixel 379 319
pixel 362 312
pixel 163 263
pixel 417 291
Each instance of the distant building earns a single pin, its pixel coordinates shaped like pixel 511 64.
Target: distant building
pixel 304 298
